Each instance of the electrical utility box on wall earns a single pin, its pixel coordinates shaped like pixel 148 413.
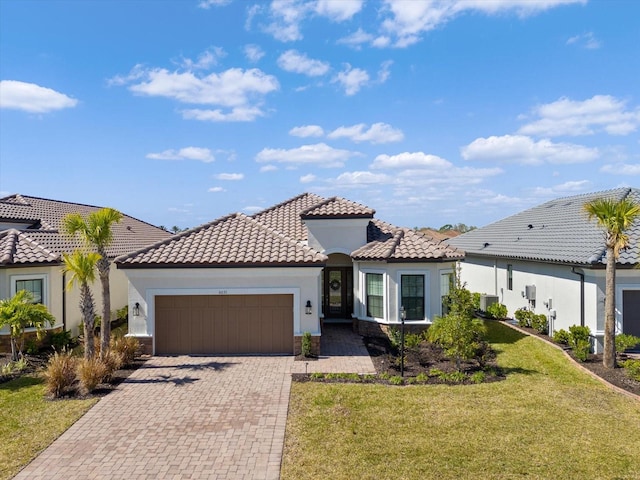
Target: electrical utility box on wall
pixel 530 292
pixel 487 300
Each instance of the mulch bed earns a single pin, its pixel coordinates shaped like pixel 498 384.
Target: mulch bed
pixel 615 376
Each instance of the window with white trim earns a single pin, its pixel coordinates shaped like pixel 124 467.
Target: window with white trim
pixel 412 296
pixel 447 282
pixel 35 284
pixel 374 294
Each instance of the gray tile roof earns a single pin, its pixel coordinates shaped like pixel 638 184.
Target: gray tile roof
pixel 235 240
pixel 556 231
pixel 278 235
pixel 40 240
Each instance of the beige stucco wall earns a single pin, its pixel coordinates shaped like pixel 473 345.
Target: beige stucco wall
pixel 301 282
pixel 56 294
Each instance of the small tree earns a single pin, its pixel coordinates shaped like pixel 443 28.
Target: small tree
pixel 82 267
pixel 18 313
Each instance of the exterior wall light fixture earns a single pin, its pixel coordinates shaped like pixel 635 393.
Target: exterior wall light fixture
pixel 307 307
pixel 136 309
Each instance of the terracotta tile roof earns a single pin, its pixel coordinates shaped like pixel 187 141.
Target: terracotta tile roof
pixel 42 219
pixel 394 244
pixel 235 240
pixel 285 217
pixel 337 207
pixel 556 231
pixel 17 248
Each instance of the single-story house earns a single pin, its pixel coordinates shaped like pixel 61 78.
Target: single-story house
pixel 551 259
pixel 31 247
pixel 257 284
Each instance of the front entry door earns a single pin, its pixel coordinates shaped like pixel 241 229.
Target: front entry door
pixel 338 292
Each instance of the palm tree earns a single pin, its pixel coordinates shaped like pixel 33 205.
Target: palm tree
pixel 615 217
pixel 96 231
pixel 82 267
pixel 18 313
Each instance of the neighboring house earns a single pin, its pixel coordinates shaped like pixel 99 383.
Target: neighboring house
pixel 551 259
pixel 31 247
pixel 256 284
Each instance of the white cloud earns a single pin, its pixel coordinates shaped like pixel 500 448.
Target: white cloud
pixel 292 61
pixel 286 18
pixel 187 153
pixel 586 40
pixel 252 209
pixel 621 169
pixel 569 117
pixel 406 21
pixel 410 160
pixel 523 150
pixel 268 168
pixel 205 60
pixel 229 176
pixel 385 71
pixel 351 79
pixel 307 178
pixel 253 53
pixel 32 98
pixel 216 189
pixel 305 131
pixel 207 4
pixel 321 154
pixel 356 39
pixel 241 91
pixel 562 189
pixel 362 178
pixel 338 10
pixel 239 114
pixel 376 134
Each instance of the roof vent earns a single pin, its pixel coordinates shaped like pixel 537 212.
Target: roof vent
pixel 529 226
pixel 486 244
pixel 128 227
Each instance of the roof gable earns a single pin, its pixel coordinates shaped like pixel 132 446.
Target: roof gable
pixel 555 231
pixel 336 207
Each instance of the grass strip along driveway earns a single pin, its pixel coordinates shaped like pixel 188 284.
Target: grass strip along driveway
pixel 29 422
pixel 548 420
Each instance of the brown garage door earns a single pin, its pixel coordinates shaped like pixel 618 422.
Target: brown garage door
pixel 199 324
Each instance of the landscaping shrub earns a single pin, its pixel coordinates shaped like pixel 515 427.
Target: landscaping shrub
pixel 126 348
pixel 91 372
pixel 580 342
pixel 412 340
pixel 13 367
pixel 60 340
pixel 561 336
pixel 394 337
pixel 396 380
pixel 60 373
pixel 478 377
pixel 497 310
pixel 458 335
pixel 625 341
pixel 306 344
pixel 475 299
pixel 540 323
pixel 524 317
pixel 632 367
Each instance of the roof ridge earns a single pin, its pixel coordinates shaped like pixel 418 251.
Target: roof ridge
pixel 11 234
pixel 276 233
pixel 325 201
pixel 398 235
pixel 32 242
pixel 291 200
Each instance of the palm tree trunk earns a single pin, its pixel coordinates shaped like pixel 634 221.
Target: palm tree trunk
pixel 609 356
pixel 14 349
pixel 88 318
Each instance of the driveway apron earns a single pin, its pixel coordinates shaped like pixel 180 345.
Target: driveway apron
pixel 183 417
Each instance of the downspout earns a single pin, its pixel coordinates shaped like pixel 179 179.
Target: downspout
pixel 64 302
pixel 495 276
pixel 581 275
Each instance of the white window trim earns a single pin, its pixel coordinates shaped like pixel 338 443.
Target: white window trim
pixel 440 295
pixel 385 300
pixel 427 290
pixel 36 276
pixel 620 289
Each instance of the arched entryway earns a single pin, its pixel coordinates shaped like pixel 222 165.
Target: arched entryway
pixel 337 288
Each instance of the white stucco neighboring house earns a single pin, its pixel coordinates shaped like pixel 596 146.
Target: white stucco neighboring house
pixel 31 248
pixel 257 284
pixel 551 259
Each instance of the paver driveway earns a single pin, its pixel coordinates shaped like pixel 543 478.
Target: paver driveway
pixel 180 418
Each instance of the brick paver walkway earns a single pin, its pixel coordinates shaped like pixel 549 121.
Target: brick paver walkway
pixel 180 418
pixel 193 417
pixel 342 351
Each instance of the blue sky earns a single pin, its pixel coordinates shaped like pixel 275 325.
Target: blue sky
pixel 179 112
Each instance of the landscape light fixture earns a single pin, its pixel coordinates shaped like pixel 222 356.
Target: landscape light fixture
pixel 136 309
pixel 307 307
pixel 403 316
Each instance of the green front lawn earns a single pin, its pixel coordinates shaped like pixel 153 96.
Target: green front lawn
pixel 29 422
pixel 548 420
